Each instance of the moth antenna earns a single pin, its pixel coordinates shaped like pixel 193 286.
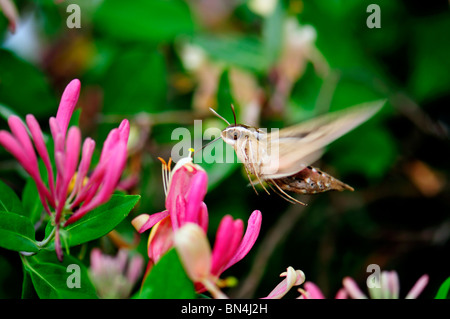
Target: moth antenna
pixel 234 114
pixel 219 116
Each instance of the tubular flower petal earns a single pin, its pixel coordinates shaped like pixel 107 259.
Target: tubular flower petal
pixel 293 278
pixel 61 199
pixel 194 250
pixel 185 186
pixel 389 287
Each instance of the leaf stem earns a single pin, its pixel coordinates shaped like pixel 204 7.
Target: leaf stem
pixel 40 244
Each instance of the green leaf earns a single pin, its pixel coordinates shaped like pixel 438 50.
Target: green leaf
pixel 22 96
pixel 28 291
pixel 54 280
pixel 144 21
pixel 272 30
pixel 32 205
pixel 101 220
pixel 167 280
pixel 443 290
pixel 17 233
pixel 242 51
pixel 9 201
pixel 148 90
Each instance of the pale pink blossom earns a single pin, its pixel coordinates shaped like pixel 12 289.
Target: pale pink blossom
pixel 311 291
pixel 115 276
pixel 293 278
pixel 389 287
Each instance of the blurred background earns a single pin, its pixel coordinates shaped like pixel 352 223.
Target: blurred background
pixel 163 63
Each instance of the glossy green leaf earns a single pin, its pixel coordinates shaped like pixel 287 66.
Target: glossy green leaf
pixel 9 201
pixel 144 21
pixel 167 280
pixel 146 91
pixel 54 280
pixel 20 95
pixel 242 51
pixel 17 233
pixel 32 205
pixel 101 220
pixel 443 290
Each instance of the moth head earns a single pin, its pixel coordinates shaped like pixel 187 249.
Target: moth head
pixel 233 133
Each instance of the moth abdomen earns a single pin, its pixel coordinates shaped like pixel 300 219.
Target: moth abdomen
pixel 311 180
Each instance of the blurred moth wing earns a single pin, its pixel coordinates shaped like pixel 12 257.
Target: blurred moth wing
pixel 302 144
pixel 282 158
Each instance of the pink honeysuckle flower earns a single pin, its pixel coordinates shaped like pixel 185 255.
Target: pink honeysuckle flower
pixel 115 276
pixel 311 291
pixel 204 266
pixel 389 287
pixel 10 11
pixel 293 278
pixel 185 188
pixel 60 199
pixel 180 182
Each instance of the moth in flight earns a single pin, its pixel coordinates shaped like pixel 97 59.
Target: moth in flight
pixel 282 159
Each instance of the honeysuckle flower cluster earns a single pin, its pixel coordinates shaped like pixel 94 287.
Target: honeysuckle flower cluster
pixel 115 276
pixel 389 288
pixel 184 225
pixel 69 193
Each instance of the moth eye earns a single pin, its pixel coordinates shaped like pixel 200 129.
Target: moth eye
pixel 235 135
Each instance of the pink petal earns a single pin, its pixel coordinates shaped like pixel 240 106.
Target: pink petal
pixel 341 294
pixel 135 268
pixel 178 215
pixel 70 163
pixel 20 132
pixel 58 136
pixel 144 222
pixel 58 247
pixel 195 196
pixel 41 148
pixel 228 237
pixel 10 143
pixel 110 143
pixel 10 11
pixel 96 260
pixel 313 291
pixel 85 163
pixel 13 146
pixel 67 105
pixel 251 234
pixel 203 219
pixel 179 186
pixel 353 289
pixel 109 183
pixel 124 130
pixel 418 287
pixel 160 239
pixel 293 278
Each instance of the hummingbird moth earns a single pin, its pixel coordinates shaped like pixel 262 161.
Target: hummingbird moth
pixel 282 159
